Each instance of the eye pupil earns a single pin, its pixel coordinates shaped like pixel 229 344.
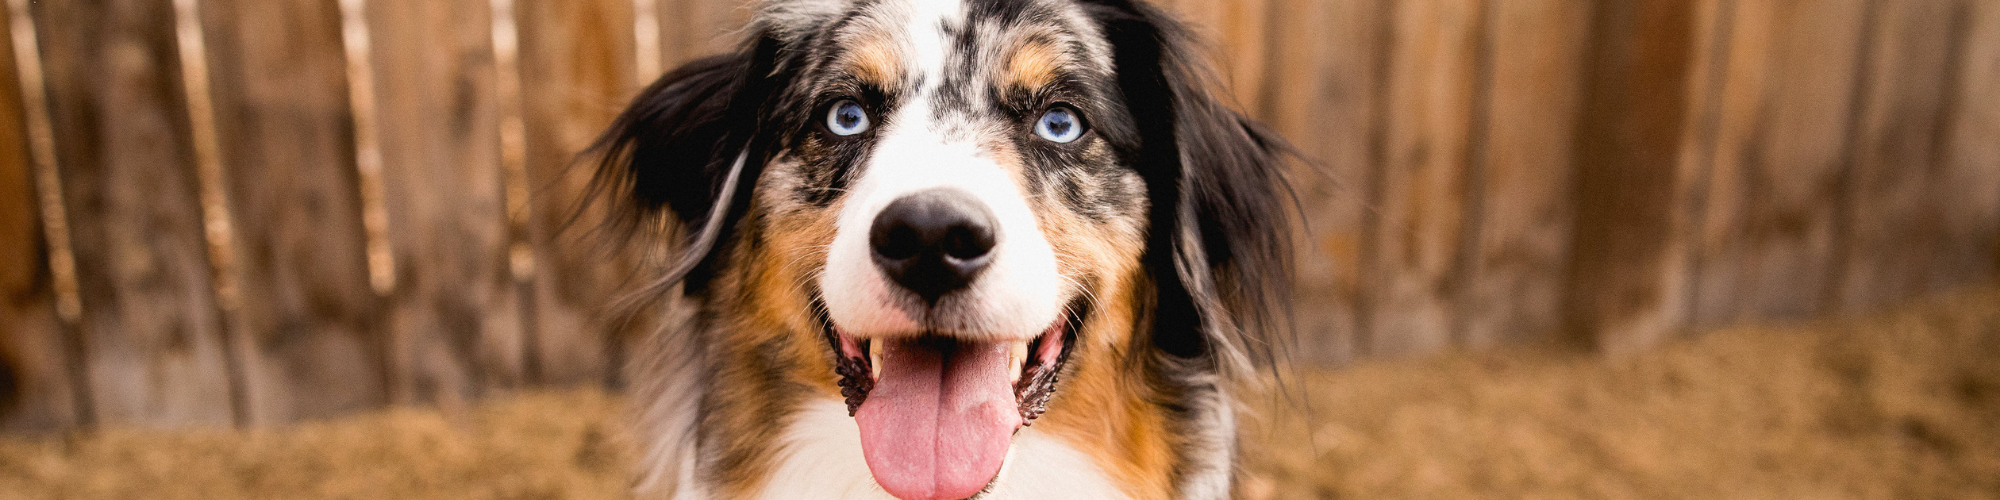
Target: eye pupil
pixel 1059 125
pixel 847 118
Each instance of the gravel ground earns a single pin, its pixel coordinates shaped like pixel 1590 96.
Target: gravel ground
pixel 1900 405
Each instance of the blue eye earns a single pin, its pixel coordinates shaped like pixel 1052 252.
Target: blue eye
pixel 846 118
pixel 1060 125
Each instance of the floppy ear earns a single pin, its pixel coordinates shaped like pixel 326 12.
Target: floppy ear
pixel 1219 196
pixel 669 150
pixel 685 153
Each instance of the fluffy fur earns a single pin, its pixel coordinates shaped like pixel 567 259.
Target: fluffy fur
pixel 1158 237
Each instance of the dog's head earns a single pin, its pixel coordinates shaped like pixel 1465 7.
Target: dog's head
pixel 940 207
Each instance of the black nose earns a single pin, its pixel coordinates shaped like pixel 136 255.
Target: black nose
pixel 933 242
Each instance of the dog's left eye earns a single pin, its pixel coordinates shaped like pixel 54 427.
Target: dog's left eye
pixel 846 118
pixel 1060 125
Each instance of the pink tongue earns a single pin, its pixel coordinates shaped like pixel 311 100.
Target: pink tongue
pixel 940 418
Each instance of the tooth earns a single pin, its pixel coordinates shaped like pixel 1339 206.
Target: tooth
pixel 1017 355
pixel 875 359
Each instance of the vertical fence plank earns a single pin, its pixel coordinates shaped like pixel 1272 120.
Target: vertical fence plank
pixel 1628 259
pixel 1966 188
pixel 1973 160
pixel 35 394
pixel 576 73
pixel 1318 94
pixel 157 355
pixel 1431 86
pixel 309 316
pixel 1515 274
pixel 1895 189
pixel 1236 34
pixel 1768 228
pixel 454 318
pixel 1725 100
pixel 692 29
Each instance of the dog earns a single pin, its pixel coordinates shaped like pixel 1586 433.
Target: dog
pixel 948 249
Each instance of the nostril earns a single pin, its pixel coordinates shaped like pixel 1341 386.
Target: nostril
pixel 968 241
pixel 899 242
pixel 933 242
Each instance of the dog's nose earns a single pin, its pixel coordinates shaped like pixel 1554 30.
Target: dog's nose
pixel 933 242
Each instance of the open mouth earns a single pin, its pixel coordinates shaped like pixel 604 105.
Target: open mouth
pixel 937 414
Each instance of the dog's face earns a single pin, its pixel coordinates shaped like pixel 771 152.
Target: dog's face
pixel 932 209
pixel 966 212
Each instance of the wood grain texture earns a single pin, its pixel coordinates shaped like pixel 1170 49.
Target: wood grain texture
pixel 309 321
pixel 1423 180
pixel 1972 154
pixel 35 388
pixel 1318 92
pixel 156 352
pixel 691 30
pixel 1768 227
pixel 454 319
pixel 1898 189
pixel 1628 260
pixel 576 73
pixel 1727 80
pixel 1234 36
pixel 1516 268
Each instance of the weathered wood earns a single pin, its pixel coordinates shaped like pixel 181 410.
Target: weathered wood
pixel 35 387
pixel 454 318
pixel 1726 81
pixel 1431 86
pixel 1766 238
pixel 156 352
pixel 1898 190
pixel 309 318
pixel 1514 288
pixel 576 72
pixel 1972 155
pixel 1318 91
pixel 691 30
pixel 1236 37
pixel 1628 258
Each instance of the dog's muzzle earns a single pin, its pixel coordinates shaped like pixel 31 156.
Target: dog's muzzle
pixel 934 242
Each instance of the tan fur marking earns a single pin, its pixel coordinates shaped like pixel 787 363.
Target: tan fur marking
pixel 1105 409
pixel 1032 66
pixel 875 59
pixel 772 345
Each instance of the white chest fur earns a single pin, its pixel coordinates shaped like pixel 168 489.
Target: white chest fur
pixel 821 459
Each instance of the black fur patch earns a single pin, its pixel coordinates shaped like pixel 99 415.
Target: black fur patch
pixel 1210 172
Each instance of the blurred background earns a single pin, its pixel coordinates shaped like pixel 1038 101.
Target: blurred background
pixel 222 214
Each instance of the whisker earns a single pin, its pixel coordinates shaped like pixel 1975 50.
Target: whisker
pixel 814 251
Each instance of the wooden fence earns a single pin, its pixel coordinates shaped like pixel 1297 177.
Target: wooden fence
pixel 218 212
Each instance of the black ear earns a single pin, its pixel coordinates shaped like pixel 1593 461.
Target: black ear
pixel 683 156
pixel 1219 197
pixel 672 147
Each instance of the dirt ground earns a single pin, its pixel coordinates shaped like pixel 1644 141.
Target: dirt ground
pixel 1900 405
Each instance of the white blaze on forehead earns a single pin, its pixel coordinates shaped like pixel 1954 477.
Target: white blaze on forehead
pixel 930 45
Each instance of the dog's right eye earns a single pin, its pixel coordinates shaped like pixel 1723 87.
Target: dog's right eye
pixel 846 118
